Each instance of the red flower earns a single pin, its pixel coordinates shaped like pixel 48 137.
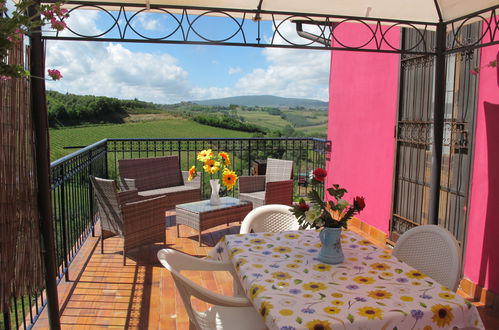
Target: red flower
pixel 320 174
pixel 304 206
pixel 359 203
pixel 54 74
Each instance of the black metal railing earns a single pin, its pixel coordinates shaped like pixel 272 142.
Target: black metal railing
pixel 72 200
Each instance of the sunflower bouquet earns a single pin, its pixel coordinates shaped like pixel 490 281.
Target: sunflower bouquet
pixel 215 163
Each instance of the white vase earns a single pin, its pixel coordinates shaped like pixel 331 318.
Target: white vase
pixel 215 189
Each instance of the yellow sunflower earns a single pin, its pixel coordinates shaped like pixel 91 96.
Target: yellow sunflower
pixel 257 241
pixel 192 173
pixel 318 324
pixel 337 303
pixel 255 290
pixel 314 286
pixel 364 242
pixel 406 298
pixel 385 256
pixel 446 295
pixel 282 249
pixel 291 236
pixel 380 266
pixel 240 262
pixel 281 275
pixel 229 179
pixel 337 295
pixel 286 312
pixel 224 157
pixel 234 251
pixel 292 266
pixel 322 267
pixel 332 310
pixel 415 274
pixel 363 279
pixel 211 166
pixel 265 308
pixel 379 294
pixel 442 315
pixel 204 155
pixel 282 283
pixel 371 312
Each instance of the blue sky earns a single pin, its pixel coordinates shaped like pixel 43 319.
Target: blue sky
pixel 168 73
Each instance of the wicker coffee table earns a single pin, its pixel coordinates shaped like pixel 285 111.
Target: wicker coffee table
pixel 201 215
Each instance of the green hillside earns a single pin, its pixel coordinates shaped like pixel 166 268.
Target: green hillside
pixel 165 128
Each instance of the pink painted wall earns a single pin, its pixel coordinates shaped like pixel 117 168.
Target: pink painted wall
pixel 362 117
pixel 482 252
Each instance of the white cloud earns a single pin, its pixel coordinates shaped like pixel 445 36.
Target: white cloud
pixel 291 73
pixel 112 70
pixel 147 22
pixel 235 70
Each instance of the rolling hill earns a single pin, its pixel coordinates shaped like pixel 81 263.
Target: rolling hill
pixel 265 101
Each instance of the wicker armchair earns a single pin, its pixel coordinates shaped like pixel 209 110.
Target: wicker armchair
pixel 159 176
pixel 275 187
pixel 138 220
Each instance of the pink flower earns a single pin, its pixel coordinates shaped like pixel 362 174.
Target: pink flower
pixel 49 14
pixel 57 25
pixel 3 78
pixel 54 74
pixel 320 174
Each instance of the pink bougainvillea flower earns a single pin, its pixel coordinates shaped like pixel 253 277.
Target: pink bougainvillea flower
pixel 57 25
pixel 5 78
pixel 54 74
pixel 320 174
pixel 49 14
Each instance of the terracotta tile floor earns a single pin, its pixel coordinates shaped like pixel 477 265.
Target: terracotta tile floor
pixel 102 293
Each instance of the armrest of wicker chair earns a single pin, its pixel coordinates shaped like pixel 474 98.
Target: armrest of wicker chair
pixel 279 192
pixel 144 222
pixel 126 184
pixel 249 184
pixel 129 196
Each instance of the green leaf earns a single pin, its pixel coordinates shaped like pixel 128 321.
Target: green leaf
pixel 299 320
pixel 398 270
pixel 380 303
pixel 305 271
pixel 322 295
pixel 350 318
pixel 297 281
pixel 400 311
pixel 422 304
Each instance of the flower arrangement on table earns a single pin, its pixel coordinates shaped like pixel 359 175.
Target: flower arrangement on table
pixel 213 164
pixel 330 214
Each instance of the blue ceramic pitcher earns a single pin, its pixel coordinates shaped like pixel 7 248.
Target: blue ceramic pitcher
pixel 331 252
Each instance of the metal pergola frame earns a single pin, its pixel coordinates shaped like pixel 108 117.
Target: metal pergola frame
pixel 448 40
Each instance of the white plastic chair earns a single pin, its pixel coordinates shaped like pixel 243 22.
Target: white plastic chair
pixel 235 312
pixel 269 218
pixel 432 250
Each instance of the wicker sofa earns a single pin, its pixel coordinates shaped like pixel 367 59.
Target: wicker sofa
pixel 157 177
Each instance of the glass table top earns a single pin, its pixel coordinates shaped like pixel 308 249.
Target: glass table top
pixel 204 206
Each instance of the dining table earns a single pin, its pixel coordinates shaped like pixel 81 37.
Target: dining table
pixel 371 289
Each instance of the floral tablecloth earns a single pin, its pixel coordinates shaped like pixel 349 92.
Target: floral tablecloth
pixel 371 289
